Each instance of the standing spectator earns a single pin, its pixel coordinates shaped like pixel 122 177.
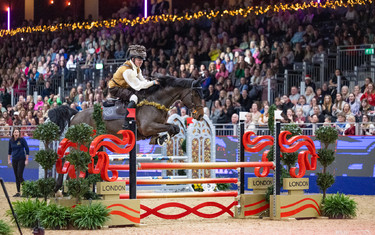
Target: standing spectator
pixel 18 157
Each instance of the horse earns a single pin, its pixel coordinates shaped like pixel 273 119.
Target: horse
pixel 151 111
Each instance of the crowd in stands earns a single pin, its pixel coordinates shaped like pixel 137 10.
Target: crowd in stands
pixel 237 56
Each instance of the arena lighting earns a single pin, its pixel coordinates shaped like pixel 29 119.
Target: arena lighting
pixel 8 9
pixel 145 15
pixel 51 2
pixel 68 3
pixel 244 12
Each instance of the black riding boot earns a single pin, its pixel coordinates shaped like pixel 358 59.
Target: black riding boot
pixel 127 120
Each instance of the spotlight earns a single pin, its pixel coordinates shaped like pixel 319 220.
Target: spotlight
pixel 51 2
pixel 68 3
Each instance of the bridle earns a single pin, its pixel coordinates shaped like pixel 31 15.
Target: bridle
pixel 196 108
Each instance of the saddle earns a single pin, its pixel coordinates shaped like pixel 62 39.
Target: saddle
pixel 113 109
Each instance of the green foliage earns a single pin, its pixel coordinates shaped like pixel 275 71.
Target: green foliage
pixel 47 132
pixel 90 216
pixel 90 195
pixel 54 216
pixel 326 135
pixel 46 186
pixel 46 158
pixel 80 134
pixel 326 157
pixel 93 178
pixel 5 228
pixel 324 181
pixel 30 189
pixel 292 128
pixel 289 159
pixel 79 159
pixel 271 119
pixel 77 187
pixel 27 212
pixel 223 187
pixel 183 145
pixel 339 206
pixel 271 154
pixel 98 118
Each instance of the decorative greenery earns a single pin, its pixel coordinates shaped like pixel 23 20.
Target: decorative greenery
pixel 98 118
pixel 223 186
pixel 326 135
pixel 77 188
pixel 292 128
pixel 90 195
pixel 80 134
pixel 54 216
pixel 30 189
pixel 324 181
pixel 183 145
pixel 46 158
pixel 326 157
pixel 79 159
pixel 271 153
pixel 46 186
pixel 5 228
pixel 90 216
pixel 271 119
pixel 339 206
pixel 289 159
pixel 27 212
pixel 47 132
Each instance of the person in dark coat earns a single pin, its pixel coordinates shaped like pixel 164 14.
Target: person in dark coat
pixel 18 157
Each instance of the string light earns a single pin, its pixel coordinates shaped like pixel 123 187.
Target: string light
pixel 258 10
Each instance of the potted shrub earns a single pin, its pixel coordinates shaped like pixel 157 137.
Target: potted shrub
pixel 339 206
pixel 326 135
pixel 47 133
pixel 82 135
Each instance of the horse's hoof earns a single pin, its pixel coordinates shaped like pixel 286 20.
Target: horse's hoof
pixel 162 140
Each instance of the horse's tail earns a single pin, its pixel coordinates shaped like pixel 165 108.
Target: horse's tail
pixel 61 116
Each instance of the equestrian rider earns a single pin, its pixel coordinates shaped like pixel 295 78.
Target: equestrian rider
pixel 128 78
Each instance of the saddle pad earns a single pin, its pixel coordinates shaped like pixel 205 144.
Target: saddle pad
pixel 109 113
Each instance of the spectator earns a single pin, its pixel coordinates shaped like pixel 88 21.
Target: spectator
pixel 294 95
pixel 369 94
pixel 368 80
pixel 367 127
pixel 357 94
pixel 309 83
pixel 365 108
pixel 333 82
pixel 340 123
pixel 290 117
pixel 339 105
pixel 39 103
pixel 255 112
pixel 216 111
pixel 47 91
pixel 300 118
pixel 243 84
pixel 350 127
pixel 263 120
pixel 309 94
pixel 302 105
pixel 249 124
pixel 327 106
pixel 245 101
pixel 354 105
pixel 227 112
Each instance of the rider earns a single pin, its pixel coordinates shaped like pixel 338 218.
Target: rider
pixel 128 76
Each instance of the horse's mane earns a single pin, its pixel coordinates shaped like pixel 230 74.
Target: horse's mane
pixel 166 81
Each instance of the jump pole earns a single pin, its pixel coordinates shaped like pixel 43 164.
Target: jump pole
pixel 206 165
pixel 183 181
pixel 182 195
pixel 133 165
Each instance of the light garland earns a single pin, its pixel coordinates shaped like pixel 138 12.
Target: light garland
pixel 257 10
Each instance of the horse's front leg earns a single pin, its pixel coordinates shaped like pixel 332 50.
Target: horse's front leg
pixel 153 129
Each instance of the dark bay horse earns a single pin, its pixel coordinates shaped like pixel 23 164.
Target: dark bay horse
pixel 151 121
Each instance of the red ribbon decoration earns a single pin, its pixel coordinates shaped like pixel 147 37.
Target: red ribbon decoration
pixel 295 144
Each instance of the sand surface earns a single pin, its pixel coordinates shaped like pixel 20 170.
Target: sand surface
pixel 364 223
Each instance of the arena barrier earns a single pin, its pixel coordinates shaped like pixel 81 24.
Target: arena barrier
pixel 295 204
